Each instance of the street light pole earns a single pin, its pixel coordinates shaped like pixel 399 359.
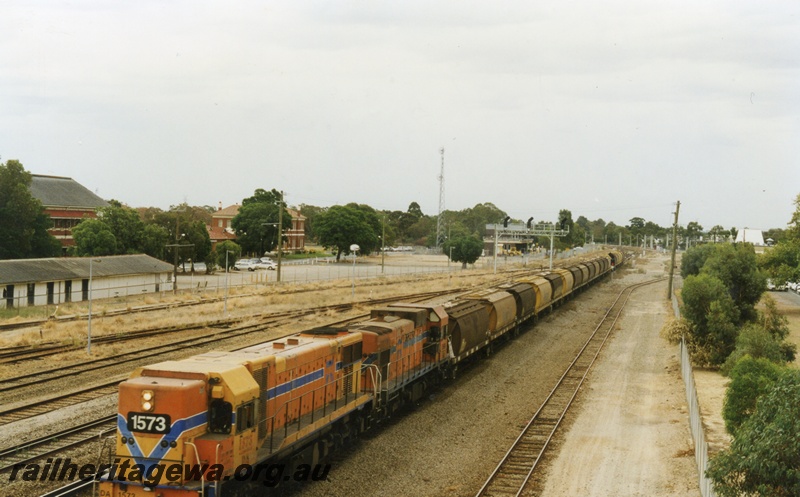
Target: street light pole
pixel 494 250
pixel 227 273
pixel 450 259
pixel 354 248
pixel 280 236
pixel 89 334
pixel 383 242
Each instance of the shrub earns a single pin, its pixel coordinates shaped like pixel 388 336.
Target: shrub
pixel 756 342
pixel 674 329
pixel 764 458
pixel 750 377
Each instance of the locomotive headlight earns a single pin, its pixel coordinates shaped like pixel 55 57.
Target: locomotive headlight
pixel 147 400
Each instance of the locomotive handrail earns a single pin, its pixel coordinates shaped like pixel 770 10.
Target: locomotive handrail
pixel 375 375
pixel 284 407
pixel 216 461
pixel 199 463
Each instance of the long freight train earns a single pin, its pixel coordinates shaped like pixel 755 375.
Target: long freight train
pixel 186 427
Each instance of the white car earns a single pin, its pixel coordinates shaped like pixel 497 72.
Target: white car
pixel 243 264
pixel 262 264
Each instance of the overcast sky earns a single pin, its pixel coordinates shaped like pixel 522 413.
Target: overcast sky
pixel 610 109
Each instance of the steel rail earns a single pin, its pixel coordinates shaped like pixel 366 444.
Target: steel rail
pixel 515 469
pixel 34 450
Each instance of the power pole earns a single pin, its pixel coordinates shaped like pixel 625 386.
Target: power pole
pixel 674 247
pixel 280 235
pixel 383 242
pixel 440 236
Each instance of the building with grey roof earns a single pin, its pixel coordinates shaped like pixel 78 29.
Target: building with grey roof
pixel 27 282
pixel 67 202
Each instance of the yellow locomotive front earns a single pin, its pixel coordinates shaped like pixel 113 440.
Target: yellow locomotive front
pixel 182 428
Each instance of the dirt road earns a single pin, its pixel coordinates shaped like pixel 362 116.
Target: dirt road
pixel 630 433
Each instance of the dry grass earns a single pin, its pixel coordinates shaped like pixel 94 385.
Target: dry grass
pixel 673 330
pixel 242 303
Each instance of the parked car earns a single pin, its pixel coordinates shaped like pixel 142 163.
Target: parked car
pixel 775 288
pixel 243 264
pixel 265 265
pixel 199 267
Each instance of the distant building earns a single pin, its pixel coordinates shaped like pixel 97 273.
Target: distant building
pixel 296 235
pixel 221 229
pixel 756 237
pixel 53 281
pixel 67 202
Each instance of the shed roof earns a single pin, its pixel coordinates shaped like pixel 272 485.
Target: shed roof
pixel 756 237
pixel 19 271
pixel 59 191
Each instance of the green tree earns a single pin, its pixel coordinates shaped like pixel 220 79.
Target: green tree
pixel 794 223
pixel 476 218
pixel 712 314
pixel 465 249
pixel 125 224
pixel 756 342
pixel 694 259
pixel 637 225
pixel 256 223
pixel 153 240
pixel 310 212
pixel 750 378
pixel 718 233
pixel 576 235
pixel 342 226
pixel 735 265
pixel 229 251
pixel 781 263
pixel 611 233
pixel 764 457
pixel 693 231
pixel 93 237
pixel 196 234
pixel 43 244
pixel 23 224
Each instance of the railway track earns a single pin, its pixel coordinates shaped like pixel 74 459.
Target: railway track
pixel 112 385
pixel 78 435
pixel 57 442
pixel 16 354
pixel 151 308
pixel 515 469
pixel 271 320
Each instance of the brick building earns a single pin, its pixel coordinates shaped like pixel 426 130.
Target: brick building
pixel 67 202
pixel 221 229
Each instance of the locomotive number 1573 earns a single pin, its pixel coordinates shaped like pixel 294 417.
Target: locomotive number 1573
pixel 148 423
